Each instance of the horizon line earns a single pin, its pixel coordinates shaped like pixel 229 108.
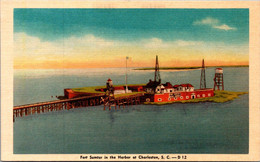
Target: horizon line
pixel 240 65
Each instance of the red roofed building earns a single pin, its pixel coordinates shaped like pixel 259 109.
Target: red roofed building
pixel 168 93
pixel 168 87
pixel 151 86
pixel 136 88
pixel 119 88
pixel 183 87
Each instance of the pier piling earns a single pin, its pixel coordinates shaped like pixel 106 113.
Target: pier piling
pixel 67 104
pixel 41 107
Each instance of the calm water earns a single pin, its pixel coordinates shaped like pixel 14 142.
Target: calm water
pixel 176 128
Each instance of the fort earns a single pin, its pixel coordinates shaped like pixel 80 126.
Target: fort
pixel 153 91
pixel 119 96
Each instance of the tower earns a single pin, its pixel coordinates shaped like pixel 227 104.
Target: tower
pixel 202 76
pixel 218 80
pixel 109 85
pixel 157 77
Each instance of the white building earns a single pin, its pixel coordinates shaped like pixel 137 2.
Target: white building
pixel 183 88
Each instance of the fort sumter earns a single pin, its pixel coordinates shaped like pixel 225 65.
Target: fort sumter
pixel 117 96
pixel 156 92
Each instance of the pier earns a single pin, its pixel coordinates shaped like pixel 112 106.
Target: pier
pixel 123 101
pixel 66 104
pixel 56 105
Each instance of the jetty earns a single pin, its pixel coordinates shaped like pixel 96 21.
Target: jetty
pixel 135 99
pixel 79 102
pixel 56 105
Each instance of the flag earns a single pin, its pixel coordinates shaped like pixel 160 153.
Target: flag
pixel 129 59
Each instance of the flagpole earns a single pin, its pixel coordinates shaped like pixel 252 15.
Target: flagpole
pixel 126 88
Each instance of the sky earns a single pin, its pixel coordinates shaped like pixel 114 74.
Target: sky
pixel 98 38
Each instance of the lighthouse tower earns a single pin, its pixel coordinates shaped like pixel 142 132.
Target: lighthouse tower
pixel 110 87
pixel 218 80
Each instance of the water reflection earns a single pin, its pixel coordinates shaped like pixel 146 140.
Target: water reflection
pixel 111 117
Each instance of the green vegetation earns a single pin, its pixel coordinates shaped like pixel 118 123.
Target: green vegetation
pixel 93 89
pixel 189 68
pixel 230 66
pixel 220 96
pixel 169 68
pixel 127 94
pixel 88 89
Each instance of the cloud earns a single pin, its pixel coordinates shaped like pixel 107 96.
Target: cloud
pixel 206 21
pixel 214 23
pixel 31 45
pixel 92 51
pixel 224 27
pixel 156 43
pixel 153 43
pixel 87 44
pixel 87 41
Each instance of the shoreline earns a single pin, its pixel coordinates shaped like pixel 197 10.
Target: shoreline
pixel 167 69
pixel 219 97
pixel 187 68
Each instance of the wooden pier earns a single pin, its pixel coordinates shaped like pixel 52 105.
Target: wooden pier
pixel 56 105
pixel 123 101
pixel 66 104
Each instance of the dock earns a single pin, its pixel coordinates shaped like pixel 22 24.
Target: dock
pixel 67 104
pixel 123 101
pixel 56 105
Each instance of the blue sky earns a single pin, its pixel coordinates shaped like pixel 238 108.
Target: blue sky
pixel 223 27
pixel 168 24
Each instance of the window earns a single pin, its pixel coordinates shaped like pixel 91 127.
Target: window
pixel 175 98
pixel 181 97
pixel 169 99
pixel 187 97
pixel 198 95
pixel 209 94
pixel 203 95
pixel 159 99
pixel 170 90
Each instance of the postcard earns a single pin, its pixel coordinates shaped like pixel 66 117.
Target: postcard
pixel 130 81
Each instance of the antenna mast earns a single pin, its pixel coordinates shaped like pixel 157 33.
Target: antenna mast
pixel 157 77
pixel 126 88
pixel 202 77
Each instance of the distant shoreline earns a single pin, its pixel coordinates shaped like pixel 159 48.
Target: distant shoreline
pixel 188 68
pixel 134 68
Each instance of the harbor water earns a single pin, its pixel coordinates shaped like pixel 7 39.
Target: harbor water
pixel 215 128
